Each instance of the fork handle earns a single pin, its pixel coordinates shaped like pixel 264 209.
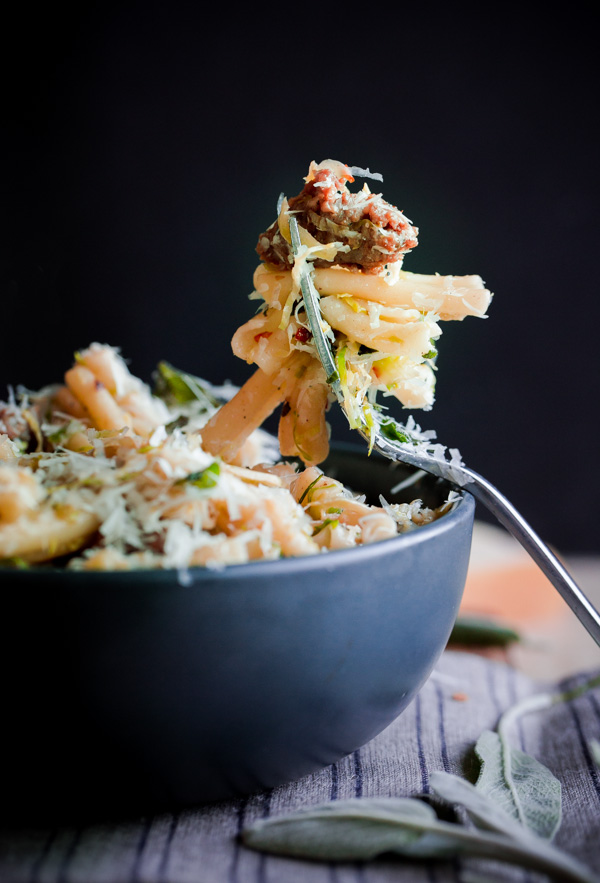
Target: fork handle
pixel 513 521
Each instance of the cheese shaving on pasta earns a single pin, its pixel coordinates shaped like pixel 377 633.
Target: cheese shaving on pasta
pixel 384 323
pixel 103 473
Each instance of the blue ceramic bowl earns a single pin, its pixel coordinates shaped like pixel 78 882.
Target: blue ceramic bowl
pixel 129 692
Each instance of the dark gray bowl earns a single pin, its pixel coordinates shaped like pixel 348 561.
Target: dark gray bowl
pixel 129 692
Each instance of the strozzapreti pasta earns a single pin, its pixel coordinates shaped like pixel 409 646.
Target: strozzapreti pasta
pixel 102 473
pixel 383 322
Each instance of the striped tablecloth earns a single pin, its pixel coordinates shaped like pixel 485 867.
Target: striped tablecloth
pixel 465 695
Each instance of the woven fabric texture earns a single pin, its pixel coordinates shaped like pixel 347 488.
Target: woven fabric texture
pixel 465 695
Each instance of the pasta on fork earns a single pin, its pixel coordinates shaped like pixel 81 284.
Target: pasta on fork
pixel 383 322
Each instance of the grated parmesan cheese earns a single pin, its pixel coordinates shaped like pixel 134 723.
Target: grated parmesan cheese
pixel 158 499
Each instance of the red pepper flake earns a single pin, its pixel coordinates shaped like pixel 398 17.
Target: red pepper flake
pixel 257 337
pixel 302 334
pixel 460 697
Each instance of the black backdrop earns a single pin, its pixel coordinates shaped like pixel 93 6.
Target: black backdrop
pixel 146 146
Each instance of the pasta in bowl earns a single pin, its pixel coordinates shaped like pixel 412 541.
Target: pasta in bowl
pixel 175 665
pixel 101 473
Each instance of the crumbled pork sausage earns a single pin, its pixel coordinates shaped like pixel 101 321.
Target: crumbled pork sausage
pixel 376 232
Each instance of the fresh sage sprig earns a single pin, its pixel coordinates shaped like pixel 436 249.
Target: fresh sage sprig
pixel 532 795
pixel 362 829
pixel 515 808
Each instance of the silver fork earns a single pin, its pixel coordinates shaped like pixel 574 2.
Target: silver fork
pixel 416 453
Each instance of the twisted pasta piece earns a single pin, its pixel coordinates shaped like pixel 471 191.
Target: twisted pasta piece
pixel 78 483
pixel 382 321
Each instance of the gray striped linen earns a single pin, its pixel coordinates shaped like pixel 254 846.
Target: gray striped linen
pixel 436 732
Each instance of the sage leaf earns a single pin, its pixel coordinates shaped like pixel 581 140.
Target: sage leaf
pixel 392 430
pixel 481 808
pixel 477 632
pixel 345 830
pixel 178 387
pixel 487 814
pixel 362 829
pixel 205 478
pixel 536 789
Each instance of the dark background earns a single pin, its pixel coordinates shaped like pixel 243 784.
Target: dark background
pixel 146 146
